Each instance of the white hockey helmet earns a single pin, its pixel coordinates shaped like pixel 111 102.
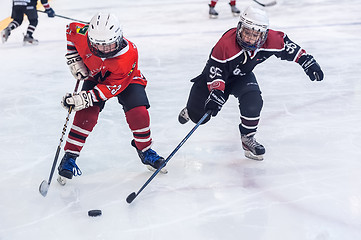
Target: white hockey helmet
pixel 252 29
pixel 105 35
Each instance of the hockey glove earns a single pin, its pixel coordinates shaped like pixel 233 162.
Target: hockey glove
pixel 77 66
pixel 78 101
pixel 49 10
pixel 311 67
pixel 215 101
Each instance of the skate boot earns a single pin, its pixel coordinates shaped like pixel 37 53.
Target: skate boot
pixel 252 149
pixel 5 34
pixel 151 159
pixel 183 116
pixel 28 39
pixel 212 12
pixel 67 167
pixel 235 10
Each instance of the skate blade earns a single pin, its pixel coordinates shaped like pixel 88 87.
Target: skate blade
pixel 163 170
pixel 61 180
pixel 31 43
pixel 213 16
pixel 250 155
pixel 235 14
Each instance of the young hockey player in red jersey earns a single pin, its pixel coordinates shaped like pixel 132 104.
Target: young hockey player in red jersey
pixel 214 14
pixel 108 63
pixel 27 7
pixel 229 72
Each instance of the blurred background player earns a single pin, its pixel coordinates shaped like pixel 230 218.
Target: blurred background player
pixel 108 63
pixel 27 7
pixel 228 71
pixel 214 14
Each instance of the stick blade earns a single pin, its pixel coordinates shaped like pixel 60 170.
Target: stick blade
pixel 43 188
pixel 131 197
pixel 270 4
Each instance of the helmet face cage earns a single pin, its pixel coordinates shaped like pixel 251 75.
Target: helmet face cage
pixel 105 50
pixel 250 37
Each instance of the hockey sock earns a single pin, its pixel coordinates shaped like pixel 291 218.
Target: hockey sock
pixel 139 123
pixel 232 2
pixel 30 30
pixel 83 124
pixel 213 3
pixel 14 24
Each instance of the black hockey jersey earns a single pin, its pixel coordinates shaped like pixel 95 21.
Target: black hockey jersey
pixel 228 59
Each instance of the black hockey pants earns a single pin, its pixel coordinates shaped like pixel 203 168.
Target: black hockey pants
pixel 244 88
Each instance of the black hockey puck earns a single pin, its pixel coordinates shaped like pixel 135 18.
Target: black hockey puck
pixel 94 213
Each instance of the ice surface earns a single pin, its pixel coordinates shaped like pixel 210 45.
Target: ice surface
pixel 307 188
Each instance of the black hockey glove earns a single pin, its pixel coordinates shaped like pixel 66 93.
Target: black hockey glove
pixel 311 67
pixel 215 101
pixel 50 12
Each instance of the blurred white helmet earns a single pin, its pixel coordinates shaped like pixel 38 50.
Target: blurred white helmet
pixel 252 29
pixel 105 35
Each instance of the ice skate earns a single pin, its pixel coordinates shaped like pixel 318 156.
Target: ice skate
pixel 151 159
pixel 252 149
pixel 235 10
pixel 29 40
pixel 68 168
pixel 5 34
pixel 183 116
pixel 212 12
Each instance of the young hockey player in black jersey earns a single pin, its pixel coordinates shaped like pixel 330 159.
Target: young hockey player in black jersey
pixel 27 7
pixel 229 72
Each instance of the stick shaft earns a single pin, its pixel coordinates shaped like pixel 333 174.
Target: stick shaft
pixel 58 148
pixel 173 153
pixel 61 16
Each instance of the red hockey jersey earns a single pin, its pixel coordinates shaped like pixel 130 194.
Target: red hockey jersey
pixel 113 74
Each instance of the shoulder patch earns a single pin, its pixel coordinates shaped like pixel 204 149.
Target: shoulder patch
pixel 82 30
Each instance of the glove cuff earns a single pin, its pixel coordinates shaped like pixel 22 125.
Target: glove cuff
pixel 218 96
pixel 46 6
pixel 306 61
pixel 72 55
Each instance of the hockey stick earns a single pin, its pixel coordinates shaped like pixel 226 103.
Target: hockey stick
pixel 133 195
pixel 57 15
pixel 44 186
pixel 266 4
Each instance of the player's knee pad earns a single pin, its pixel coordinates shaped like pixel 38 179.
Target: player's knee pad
pixel 251 104
pixel 33 22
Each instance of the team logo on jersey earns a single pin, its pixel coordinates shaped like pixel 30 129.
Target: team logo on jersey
pixel 101 77
pixel 114 89
pixel 238 71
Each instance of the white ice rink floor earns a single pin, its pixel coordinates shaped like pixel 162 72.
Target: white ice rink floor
pixel 307 188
